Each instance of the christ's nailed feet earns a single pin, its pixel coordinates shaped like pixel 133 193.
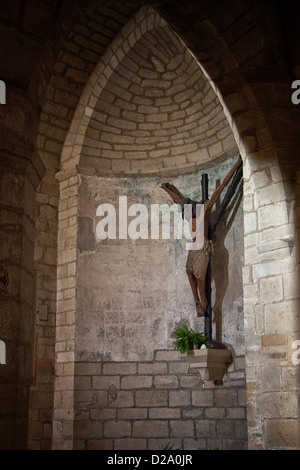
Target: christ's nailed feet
pixel 200 310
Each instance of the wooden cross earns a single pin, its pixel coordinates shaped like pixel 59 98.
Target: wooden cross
pixel 212 228
pixel 200 282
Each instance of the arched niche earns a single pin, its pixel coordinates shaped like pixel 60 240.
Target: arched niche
pixel 149 114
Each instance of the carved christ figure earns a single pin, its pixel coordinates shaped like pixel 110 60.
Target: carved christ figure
pixel 198 259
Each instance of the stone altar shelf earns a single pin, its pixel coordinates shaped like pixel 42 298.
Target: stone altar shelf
pixel 211 363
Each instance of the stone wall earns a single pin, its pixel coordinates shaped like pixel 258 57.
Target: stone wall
pixel 250 64
pixel 147 405
pixel 271 289
pixel 20 173
pixel 130 393
pixel 139 291
pixel 85 324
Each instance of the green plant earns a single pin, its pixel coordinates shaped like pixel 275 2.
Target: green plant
pixel 185 337
pixel 169 446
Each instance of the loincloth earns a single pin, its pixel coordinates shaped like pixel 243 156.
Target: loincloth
pixel 197 260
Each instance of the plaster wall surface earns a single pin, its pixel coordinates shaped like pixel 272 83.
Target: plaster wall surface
pixel 132 294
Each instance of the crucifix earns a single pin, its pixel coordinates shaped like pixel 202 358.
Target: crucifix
pixel 198 261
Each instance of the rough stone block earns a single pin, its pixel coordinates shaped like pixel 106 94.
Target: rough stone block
pixel 182 428
pixel 282 317
pixel 135 382
pixel 168 381
pixel 88 429
pixel 94 444
pixel 273 215
pixel 178 367
pixel 104 383
pixel 278 404
pixel 167 355
pixel 271 377
pixel 132 413
pixel 82 383
pixel 121 399
pixel 291 378
pixel 202 398
pixel 271 195
pixel 250 222
pixel 206 429
pixel 164 413
pixel 282 433
pixel 236 413
pixel 153 368
pixel 116 368
pixel 190 381
pixel 215 413
pixel 193 413
pixel 154 428
pixel 272 268
pixel 222 398
pixel 152 398
pixel 129 444
pixel 117 429
pixel 225 429
pixel 273 340
pixel 180 398
pixel 196 444
pixel 85 399
pixel 291 285
pixel 102 414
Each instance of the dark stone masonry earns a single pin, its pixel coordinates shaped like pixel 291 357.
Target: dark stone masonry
pixel 107 99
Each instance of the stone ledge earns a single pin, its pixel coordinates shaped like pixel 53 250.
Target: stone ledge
pixel 211 363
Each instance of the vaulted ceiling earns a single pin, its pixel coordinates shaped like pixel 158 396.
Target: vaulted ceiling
pixel 49 49
pixel 27 25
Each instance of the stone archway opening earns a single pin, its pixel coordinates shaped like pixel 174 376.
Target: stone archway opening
pixel 269 237
pixel 148 114
pixel 156 117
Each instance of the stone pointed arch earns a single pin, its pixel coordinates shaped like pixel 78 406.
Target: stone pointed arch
pixel 266 191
